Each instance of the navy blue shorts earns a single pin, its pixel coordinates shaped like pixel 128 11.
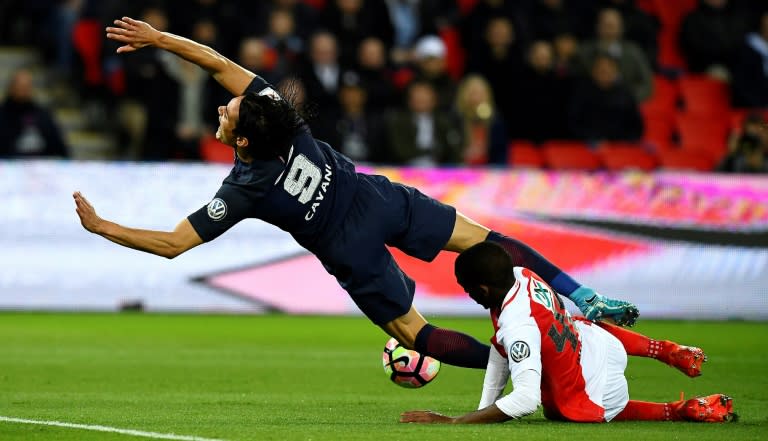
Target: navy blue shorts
pixel 388 213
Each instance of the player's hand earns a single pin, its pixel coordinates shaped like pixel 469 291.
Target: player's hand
pixel 88 217
pixel 134 33
pixel 424 416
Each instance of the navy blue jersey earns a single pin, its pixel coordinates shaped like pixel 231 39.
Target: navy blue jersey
pixel 306 194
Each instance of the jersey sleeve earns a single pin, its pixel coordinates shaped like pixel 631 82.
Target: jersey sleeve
pixel 226 209
pixel 257 85
pixel 521 339
pixel 496 378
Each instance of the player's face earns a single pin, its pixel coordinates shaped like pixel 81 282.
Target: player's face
pixel 479 294
pixel 228 116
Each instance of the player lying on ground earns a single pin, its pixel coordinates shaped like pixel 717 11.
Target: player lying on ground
pixel 284 176
pixel 574 369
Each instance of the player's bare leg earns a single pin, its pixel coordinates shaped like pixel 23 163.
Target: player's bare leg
pixel 687 359
pixel 448 346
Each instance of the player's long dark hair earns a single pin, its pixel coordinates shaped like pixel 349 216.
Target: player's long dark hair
pixel 270 124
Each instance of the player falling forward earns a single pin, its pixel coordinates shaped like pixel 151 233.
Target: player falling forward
pixel 575 369
pixel 284 176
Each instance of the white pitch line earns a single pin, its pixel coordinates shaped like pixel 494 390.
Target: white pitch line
pixel 96 428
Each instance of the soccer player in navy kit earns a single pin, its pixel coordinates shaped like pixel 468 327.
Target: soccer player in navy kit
pixel 284 176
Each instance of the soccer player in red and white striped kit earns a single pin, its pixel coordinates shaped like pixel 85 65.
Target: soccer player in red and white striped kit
pixel 574 368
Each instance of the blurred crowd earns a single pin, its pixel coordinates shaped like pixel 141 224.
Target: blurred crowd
pixel 410 82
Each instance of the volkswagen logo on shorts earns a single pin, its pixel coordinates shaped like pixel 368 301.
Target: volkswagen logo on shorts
pixel 519 351
pixel 217 209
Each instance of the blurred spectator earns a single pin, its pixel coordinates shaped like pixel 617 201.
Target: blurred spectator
pixel 710 36
pixel 500 62
pixel 257 57
pixel 542 97
pixel 320 75
pixel 639 27
pixel 358 133
pixel 634 67
pixel 474 25
pixel 748 148
pixel 321 70
pixel 552 17
pixel 353 20
pixel 604 108
pixel 750 73
pixel 62 23
pixel 429 58
pixel 422 134
pixel 284 42
pixel 304 16
pixel 566 48
pixel 148 81
pixel 26 128
pixel 485 134
pixel 404 15
pixel 191 82
pixel 223 14
pixel 376 75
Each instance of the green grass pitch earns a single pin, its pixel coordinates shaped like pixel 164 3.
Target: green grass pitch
pixel 276 377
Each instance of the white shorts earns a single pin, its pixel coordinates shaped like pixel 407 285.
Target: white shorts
pixel 603 360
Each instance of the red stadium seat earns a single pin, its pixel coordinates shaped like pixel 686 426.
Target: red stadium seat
pixel 686 160
pixel 466 6
pixel 317 4
pixel 570 155
pixel 647 6
pixel 625 155
pixel 738 116
pixel 454 54
pixel 658 130
pixel 211 150
pixel 522 153
pixel 665 95
pixel 672 12
pixel 670 55
pixel 698 132
pixel 87 41
pixel 704 95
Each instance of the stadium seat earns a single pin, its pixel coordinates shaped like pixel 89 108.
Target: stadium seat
pixel 672 12
pixel 659 129
pixel 317 4
pixel 211 150
pixel 647 6
pixel 570 155
pixel 466 6
pixel 626 155
pixel 686 160
pixel 697 132
pixel 704 95
pixel 87 41
pixel 522 153
pixel 454 54
pixel 738 116
pixel 665 96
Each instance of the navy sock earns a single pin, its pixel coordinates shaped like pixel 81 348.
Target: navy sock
pixel 523 255
pixel 452 347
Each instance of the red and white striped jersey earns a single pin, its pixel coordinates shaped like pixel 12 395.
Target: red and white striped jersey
pixel 534 331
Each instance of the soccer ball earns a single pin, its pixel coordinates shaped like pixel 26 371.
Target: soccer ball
pixel 408 368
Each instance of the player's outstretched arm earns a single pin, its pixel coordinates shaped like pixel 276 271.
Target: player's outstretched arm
pixel 490 414
pixel 161 243
pixel 137 34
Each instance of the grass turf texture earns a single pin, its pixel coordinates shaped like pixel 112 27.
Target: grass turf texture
pixel 319 378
